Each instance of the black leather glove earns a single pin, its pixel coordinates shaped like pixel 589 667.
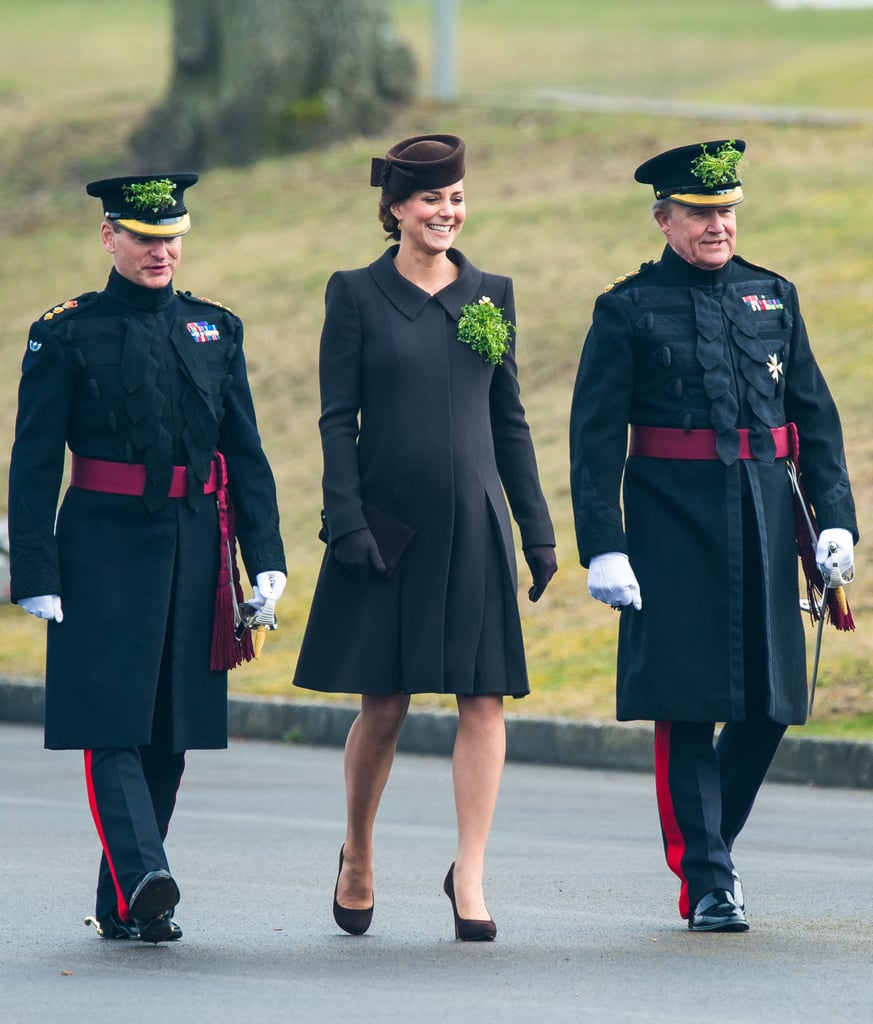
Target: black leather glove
pixel 359 553
pixel 543 565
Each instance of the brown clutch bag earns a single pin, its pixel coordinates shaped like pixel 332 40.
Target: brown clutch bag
pixel 391 534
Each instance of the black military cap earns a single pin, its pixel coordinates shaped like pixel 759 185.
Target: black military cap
pixel 419 163
pixel 701 175
pixel 146 204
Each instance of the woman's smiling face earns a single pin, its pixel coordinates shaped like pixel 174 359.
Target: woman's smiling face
pixel 431 220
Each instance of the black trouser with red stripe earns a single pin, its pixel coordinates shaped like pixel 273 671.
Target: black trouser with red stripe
pixel 705 791
pixel 705 794
pixel 132 794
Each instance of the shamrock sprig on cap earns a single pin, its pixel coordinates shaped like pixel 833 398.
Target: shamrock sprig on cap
pixel 719 168
pixel 152 195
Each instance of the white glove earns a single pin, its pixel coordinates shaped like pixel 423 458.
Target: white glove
pixel 837 566
pixel 268 587
pixel 611 580
pixel 47 606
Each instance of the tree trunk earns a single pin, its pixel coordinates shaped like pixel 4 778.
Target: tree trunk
pixel 254 77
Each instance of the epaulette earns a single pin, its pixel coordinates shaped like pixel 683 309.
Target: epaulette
pixel 629 277
pixel 756 266
pixel 71 304
pixel 201 298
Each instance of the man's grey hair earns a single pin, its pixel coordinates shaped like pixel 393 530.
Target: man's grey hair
pixel 664 204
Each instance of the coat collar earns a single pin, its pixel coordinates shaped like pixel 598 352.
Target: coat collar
pixel 149 300
pixel 694 276
pixel 410 300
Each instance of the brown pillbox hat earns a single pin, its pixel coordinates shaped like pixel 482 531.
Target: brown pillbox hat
pixel 419 163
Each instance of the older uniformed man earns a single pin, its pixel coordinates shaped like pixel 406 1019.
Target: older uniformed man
pixel 148 388
pixel 706 358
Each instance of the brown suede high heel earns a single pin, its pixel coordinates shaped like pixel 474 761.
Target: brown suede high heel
pixel 355 922
pixel 466 929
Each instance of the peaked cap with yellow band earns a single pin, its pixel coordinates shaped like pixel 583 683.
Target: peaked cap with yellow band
pixel 146 204
pixel 701 175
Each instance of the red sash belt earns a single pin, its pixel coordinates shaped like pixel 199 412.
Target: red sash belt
pixel 130 477
pixel 671 443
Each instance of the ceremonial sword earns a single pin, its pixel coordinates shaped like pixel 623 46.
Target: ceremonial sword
pixel 831 580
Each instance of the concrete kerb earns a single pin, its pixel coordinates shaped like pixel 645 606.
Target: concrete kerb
pixel 535 740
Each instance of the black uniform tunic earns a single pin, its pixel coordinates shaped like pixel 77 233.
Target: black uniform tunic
pixel 430 432
pixel 676 346
pixel 147 376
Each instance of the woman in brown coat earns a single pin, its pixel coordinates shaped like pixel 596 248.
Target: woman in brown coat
pixel 422 433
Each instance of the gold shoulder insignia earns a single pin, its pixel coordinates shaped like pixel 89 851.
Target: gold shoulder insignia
pixel 202 298
pixel 643 267
pixel 50 314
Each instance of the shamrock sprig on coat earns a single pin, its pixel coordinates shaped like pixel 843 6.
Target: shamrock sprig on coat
pixel 483 328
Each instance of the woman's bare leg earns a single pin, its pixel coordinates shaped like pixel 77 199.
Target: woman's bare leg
pixel 477 766
pixel 369 754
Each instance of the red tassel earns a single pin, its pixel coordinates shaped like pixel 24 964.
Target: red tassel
pixel 837 608
pixel 227 652
pixel 223 655
pixel 839 612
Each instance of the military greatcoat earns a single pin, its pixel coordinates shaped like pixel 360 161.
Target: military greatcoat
pixel 427 430
pixel 154 377
pixel 676 346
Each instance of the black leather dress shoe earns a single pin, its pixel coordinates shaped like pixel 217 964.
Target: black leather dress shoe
pixel 155 894
pixel 112 927
pixel 160 929
pixel 717 911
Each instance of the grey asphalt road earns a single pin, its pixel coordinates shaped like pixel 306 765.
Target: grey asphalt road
pixel 586 908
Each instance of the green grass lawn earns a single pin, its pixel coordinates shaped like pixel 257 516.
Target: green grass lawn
pixel 551 201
